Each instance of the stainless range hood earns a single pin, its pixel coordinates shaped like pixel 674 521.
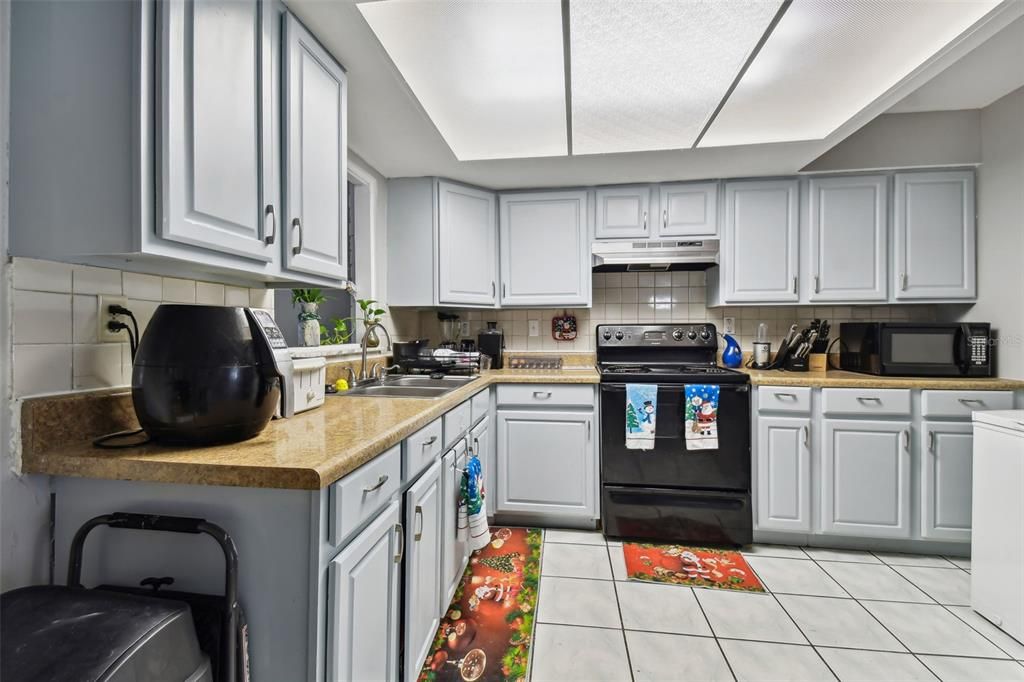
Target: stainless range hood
pixel 655 255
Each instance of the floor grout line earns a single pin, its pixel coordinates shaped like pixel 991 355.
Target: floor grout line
pixel 982 634
pixel 718 640
pixel 618 607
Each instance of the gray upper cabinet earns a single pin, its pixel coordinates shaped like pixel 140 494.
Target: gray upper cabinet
pixel 934 235
pixel 784 473
pixel 866 478
pixel 848 237
pixel 316 154
pixel 759 251
pixel 467 246
pixel 219 182
pixel 946 466
pixel 688 209
pixel 545 249
pixel 623 212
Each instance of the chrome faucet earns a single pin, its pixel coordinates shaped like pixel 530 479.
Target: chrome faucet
pixel 363 376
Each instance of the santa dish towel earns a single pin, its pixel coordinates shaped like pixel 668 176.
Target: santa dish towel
pixel 701 418
pixel 472 515
pixel 641 415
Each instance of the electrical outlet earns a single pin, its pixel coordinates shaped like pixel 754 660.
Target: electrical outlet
pixel 534 327
pixel 103 316
pixel 464 328
pixel 729 325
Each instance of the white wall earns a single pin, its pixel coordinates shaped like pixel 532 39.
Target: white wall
pixel 1001 230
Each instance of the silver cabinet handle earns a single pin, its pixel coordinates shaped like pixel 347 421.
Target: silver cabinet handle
pixel 476 445
pixel 269 212
pixel 931 441
pixel 588 430
pixel 664 218
pixel 297 225
pixel 970 401
pixel 805 431
pixel 645 221
pixel 400 529
pixel 542 395
pixel 418 521
pixel 430 441
pixel 787 396
pixel 863 399
pixel 380 483
pixel 817 285
pixel 794 284
pixel 903 281
pixel 905 437
pixel 494 290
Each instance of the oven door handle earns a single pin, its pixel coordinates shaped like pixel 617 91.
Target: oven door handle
pixel 618 388
pixel 961 348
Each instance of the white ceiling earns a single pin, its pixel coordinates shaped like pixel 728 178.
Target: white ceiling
pixel 389 128
pixel 985 74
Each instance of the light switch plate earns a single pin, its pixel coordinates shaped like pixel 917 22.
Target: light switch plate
pixel 102 317
pixel 534 327
pixel 729 325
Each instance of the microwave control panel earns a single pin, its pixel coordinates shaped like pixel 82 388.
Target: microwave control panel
pixel 979 350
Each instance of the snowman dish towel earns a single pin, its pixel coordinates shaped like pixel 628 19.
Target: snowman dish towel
pixel 641 415
pixel 701 418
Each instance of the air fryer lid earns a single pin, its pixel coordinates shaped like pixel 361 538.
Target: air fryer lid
pixel 198 336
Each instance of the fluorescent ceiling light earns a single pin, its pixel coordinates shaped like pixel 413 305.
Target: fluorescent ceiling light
pixel 647 75
pixel 490 75
pixel 827 60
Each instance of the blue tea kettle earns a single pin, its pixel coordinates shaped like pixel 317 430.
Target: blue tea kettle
pixel 732 356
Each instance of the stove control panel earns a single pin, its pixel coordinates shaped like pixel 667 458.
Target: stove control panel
pixel 700 335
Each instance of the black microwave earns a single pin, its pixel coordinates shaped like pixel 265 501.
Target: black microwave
pixel 923 349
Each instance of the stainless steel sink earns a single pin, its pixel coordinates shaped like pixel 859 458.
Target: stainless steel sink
pixel 409 387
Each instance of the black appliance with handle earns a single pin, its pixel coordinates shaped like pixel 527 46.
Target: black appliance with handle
pixel 927 349
pixel 671 493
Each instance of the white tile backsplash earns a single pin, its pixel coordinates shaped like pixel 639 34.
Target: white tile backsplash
pixel 55 332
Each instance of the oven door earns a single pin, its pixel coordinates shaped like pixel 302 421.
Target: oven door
pixel 924 350
pixel 670 464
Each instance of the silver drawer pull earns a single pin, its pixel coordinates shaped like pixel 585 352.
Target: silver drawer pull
pixel 297 227
pixel 905 437
pixel 542 395
pixel 787 396
pixel 869 399
pixel 400 529
pixel 931 441
pixel 418 523
pixel 806 432
pixel 269 239
pixel 380 483
pixel 970 401
pixel 430 441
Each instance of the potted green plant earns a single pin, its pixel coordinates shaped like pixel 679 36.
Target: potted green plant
pixel 371 316
pixel 338 333
pixel 309 301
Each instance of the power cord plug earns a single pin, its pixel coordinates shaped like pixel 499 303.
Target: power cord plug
pixel 114 325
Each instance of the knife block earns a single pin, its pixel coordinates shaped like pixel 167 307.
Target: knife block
pixel 794 364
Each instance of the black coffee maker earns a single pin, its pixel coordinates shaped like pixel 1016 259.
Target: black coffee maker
pixel 491 341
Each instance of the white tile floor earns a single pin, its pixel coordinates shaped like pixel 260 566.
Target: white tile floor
pixel 828 614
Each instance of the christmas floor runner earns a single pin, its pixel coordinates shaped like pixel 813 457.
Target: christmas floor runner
pixel 487 631
pixel 693 566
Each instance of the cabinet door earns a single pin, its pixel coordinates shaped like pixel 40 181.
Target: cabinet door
pixel 688 209
pixel 546 462
pixel 216 126
pixel 545 249
pixel 759 250
pixel 362 631
pixel 423 525
pixel 480 439
pixel 933 235
pixel 784 473
pixel 946 462
pixel 849 239
pixel 454 547
pixel 316 155
pixel 467 246
pixel 623 212
pixel 866 478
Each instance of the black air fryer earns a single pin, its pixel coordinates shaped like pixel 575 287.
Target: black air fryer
pixel 205 374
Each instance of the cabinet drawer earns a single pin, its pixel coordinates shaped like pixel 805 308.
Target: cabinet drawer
pixel 581 395
pixel 866 401
pixel 795 399
pixel 456 422
pixel 420 449
pixel 362 493
pixel 481 404
pixel 960 404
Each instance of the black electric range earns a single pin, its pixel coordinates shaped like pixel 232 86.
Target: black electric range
pixel 671 490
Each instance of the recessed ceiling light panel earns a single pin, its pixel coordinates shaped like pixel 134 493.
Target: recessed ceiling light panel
pixel 827 60
pixel 490 75
pixel 647 75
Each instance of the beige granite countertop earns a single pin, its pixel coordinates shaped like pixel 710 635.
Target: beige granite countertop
pixel 834 378
pixel 308 452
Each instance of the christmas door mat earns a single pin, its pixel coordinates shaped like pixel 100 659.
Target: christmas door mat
pixel 486 634
pixel 693 566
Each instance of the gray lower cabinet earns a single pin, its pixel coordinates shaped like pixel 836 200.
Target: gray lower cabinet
pixel 946 466
pixel 480 439
pixel 364 597
pixel 423 523
pixel 784 473
pixel 865 473
pixel 454 548
pixel 547 462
